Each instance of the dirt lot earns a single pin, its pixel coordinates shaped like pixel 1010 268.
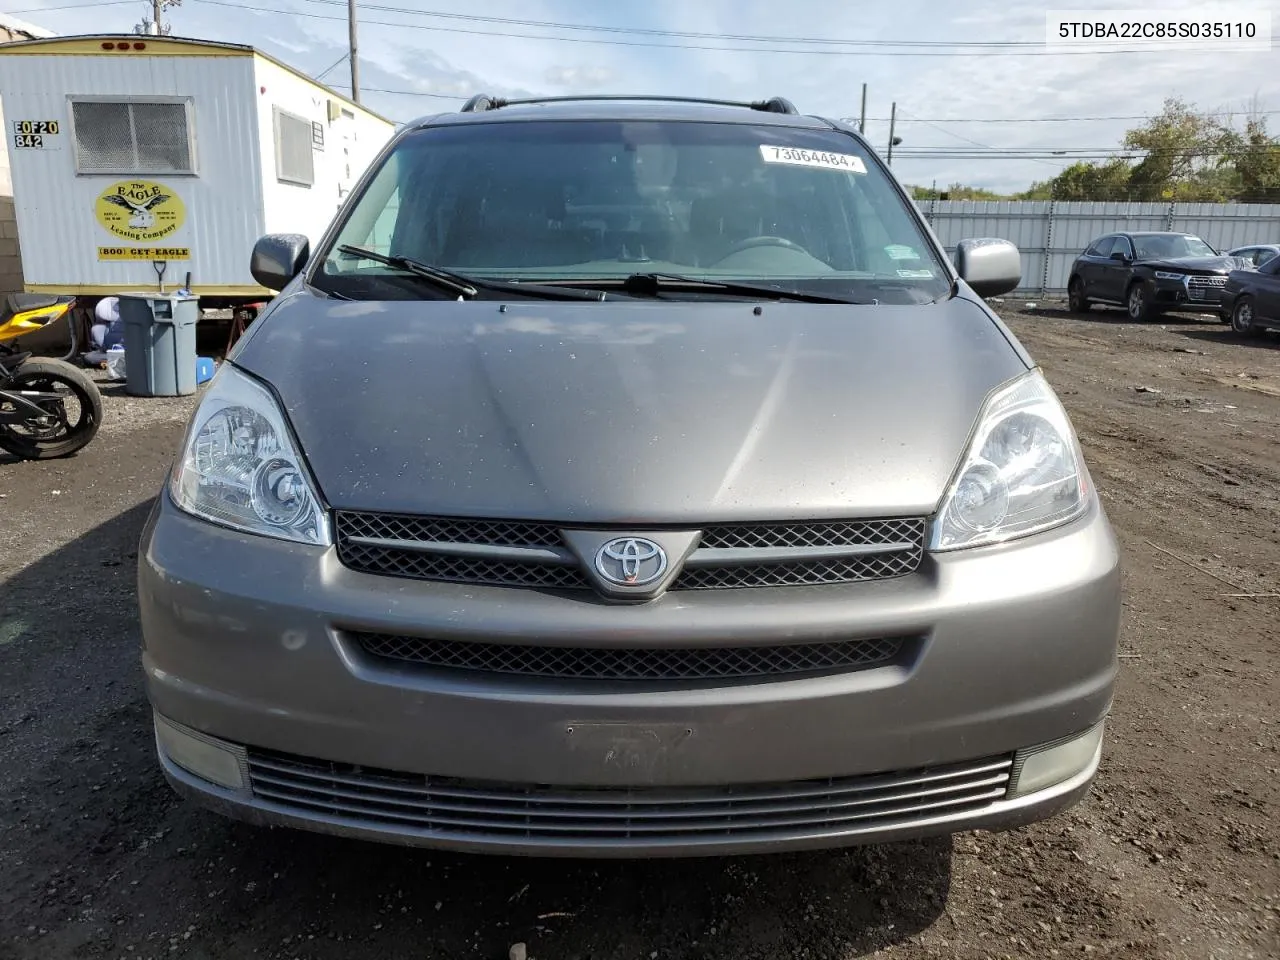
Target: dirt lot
pixel 1175 853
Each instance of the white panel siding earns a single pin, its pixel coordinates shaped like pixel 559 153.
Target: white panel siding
pixel 59 231
pixel 1051 235
pixel 350 143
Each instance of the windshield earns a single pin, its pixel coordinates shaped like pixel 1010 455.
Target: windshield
pixel 598 201
pixel 1163 246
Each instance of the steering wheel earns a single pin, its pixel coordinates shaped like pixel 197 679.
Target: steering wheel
pixel 752 242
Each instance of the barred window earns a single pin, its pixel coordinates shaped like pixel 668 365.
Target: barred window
pixel 132 136
pixel 295 162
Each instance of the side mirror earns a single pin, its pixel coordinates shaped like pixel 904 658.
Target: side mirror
pixel 988 265
pixel 1120 255
pixel 278 258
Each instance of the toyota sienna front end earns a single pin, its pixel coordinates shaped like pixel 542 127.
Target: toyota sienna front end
pixel 630 478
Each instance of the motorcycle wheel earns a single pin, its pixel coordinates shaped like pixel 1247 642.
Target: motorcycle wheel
pixel 51 437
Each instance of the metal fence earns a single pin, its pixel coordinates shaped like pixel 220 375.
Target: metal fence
pixel 1051 234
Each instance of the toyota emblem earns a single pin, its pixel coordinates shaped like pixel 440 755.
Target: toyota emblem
pixel 631 561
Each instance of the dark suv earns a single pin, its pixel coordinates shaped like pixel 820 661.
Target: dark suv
pixel 1149 273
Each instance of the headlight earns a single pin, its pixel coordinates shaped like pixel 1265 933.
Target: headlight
pixel 240 467
pixel 1023 472
pixel 1166 275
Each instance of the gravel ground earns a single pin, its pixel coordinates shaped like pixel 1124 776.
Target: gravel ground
pixel 1175 853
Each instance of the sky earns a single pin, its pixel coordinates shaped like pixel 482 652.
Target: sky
pixel 413 62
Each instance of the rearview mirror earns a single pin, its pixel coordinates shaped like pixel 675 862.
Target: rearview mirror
pixel 278 258
pixel 988 265
pixel 1120 255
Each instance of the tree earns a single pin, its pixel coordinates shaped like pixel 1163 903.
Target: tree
pixel 1184 150
pixel 956 191
pixel 1254 158
pixel 1084 180
pixel 1185 156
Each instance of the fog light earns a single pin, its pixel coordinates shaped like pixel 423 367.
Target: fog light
pixel 201 755
pixel 1045 766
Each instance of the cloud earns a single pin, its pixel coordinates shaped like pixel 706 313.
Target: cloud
pixel 412 65
pixel 580 78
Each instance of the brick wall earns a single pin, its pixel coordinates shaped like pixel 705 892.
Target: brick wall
pixel 10 260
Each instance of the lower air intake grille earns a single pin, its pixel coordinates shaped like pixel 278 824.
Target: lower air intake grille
pixel 667 664
pixel 485 811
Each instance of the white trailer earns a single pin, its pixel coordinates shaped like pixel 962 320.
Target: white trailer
pixel 137 160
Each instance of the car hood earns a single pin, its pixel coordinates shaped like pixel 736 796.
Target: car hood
pixel 1198 264
pixel 639 412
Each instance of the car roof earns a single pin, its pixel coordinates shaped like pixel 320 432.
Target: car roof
pixel 627 108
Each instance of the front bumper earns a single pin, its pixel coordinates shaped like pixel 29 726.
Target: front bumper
pixel 1185 294
pixel 245 640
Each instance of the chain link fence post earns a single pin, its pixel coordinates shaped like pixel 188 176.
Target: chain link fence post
pixel 1048 251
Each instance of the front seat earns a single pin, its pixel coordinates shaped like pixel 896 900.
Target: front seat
pixel 718 222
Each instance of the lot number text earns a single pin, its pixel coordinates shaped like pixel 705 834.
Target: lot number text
pixel 798 156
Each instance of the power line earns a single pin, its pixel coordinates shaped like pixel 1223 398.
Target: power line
pixel 985 146
pixel 1104 45
pixel 1038 153
pixel 413 93
pixel 1210 113
pixel 74 6
pixel 719 49
pixel 686 34
pixel 1177 151
pixel 329 69
pixel 930 122
pixel 1047 156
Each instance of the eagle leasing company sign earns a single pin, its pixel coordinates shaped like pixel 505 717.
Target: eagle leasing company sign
pixel 143 212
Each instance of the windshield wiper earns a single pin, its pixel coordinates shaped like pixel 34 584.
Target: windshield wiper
pixel 468 287
pixel 653 283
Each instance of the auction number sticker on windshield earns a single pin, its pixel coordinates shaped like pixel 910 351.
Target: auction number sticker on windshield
pixel 848 162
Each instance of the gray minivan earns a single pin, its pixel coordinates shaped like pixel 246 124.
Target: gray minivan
pixel 630 477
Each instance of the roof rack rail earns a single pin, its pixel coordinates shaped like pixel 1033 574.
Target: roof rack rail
pixel 482 102
pixel 775 105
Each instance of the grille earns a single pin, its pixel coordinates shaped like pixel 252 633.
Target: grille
pixel 427 566
pixel 411 561
pixel 857 532
pixel 594 663
pixel 418 565
pixel 1205 288
pixel 483 811
pixel 447 530
pixel 798 573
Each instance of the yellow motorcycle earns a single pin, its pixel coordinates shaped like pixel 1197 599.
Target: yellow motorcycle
pixel 48 408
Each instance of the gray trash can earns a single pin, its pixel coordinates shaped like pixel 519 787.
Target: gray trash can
pixel 159 343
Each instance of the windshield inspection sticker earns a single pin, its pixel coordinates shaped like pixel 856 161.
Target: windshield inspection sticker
pixel 847 162
pixel 898 251
pixel 915 274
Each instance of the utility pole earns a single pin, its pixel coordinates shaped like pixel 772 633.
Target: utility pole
pixel 352 52
pixel 862 120
pixel 156 26
pixel 893 119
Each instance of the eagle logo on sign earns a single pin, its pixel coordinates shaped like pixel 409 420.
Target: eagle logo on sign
pixel 140 210
pixel 142 217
